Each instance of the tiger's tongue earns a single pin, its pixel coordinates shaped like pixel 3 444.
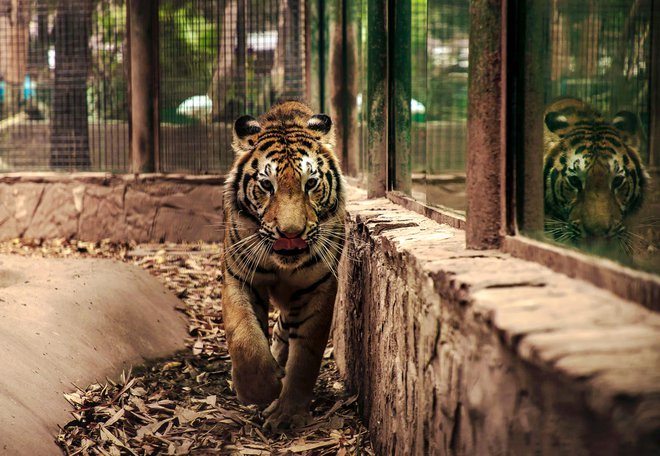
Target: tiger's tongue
pixel 289 244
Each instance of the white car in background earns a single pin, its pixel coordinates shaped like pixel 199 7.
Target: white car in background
pixel 198 106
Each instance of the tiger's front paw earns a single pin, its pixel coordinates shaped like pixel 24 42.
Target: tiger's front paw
pixel 286 415
pixel 257 380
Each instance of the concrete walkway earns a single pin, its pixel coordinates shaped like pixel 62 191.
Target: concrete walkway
pixel 68 321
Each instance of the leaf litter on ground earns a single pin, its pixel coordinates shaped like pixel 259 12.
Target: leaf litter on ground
pixel 184 404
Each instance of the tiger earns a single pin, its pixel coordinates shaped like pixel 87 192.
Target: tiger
pixel 284 235
pixel 593 175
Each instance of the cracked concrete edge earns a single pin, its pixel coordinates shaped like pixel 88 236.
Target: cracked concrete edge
pixel 603 347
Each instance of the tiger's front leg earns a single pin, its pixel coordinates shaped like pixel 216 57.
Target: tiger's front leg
pixel 308 330
pixel 255 373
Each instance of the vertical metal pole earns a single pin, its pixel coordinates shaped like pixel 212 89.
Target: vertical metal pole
pixel 351 77
pixel 400 177
pixel 377 99
pixel 308 10
pixel 322 50
pixel 654 87
pixel 336 76
pixel 486 93
pixel 143 33
pixel 530 152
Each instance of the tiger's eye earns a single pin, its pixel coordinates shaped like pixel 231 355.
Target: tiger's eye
pixel 575 182
pixel 266 185
pixel 311 183
pixel 617 181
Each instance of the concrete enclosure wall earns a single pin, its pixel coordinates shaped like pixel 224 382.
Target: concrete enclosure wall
pixel 459 352
pixel 95 206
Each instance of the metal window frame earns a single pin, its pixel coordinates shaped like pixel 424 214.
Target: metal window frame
pixel 494 203
pixel 625 282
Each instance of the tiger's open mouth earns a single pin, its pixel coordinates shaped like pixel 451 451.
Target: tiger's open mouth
pixel 290 247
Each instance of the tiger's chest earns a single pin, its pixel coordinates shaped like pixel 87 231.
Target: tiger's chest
pixel 287 288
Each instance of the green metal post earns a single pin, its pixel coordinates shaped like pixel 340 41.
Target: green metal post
pixel 400 88
pixel 377 99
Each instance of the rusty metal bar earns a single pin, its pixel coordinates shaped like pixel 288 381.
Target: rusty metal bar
pixel 654 86
pixel 486 148
pixel 531 105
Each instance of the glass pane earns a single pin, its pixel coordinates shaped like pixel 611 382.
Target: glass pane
pixel 430 132
pixel 361 17
pixel 357 13
pixel 418 103
pixel 587 106
pixel 446 110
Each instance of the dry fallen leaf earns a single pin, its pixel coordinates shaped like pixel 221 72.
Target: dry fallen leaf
pixel 184 405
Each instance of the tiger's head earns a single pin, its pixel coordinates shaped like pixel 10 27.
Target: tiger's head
pixel 286 189
pixel 593 175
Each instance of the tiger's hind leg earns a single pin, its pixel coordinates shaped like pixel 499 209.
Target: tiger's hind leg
pixel 308 334
pixel 255 373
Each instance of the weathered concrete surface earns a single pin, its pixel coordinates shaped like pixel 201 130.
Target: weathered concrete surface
pixel 94 206
pixel 66 322
pixel 459 352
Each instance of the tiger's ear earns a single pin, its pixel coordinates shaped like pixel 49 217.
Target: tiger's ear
pixel 320 122
pixel 628 124
pixel 556 122
pixel 245 128
pixel 323 124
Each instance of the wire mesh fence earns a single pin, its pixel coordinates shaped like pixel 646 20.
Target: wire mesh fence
pixel 600 53
pixel 65 67
pixel 63 86
pixel 220 60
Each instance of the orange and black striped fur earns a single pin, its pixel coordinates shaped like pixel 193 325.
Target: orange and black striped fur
pixel 284 235
pixel 593 176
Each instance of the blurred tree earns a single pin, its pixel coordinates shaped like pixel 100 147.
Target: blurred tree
pixel 228 86
pixel 107 90
pixel 69 127
pixel 287 73
pixel 14 23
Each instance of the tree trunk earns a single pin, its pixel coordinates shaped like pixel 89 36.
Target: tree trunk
pixel 287 72
pixel 228 89
pixel 14 22
pixel 41 52
pixel 69 129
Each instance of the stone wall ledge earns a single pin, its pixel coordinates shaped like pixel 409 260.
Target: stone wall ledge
pixel 456 351
pixel 95 206
pixel 101 177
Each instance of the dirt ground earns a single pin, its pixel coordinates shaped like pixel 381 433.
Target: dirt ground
pixel 184 404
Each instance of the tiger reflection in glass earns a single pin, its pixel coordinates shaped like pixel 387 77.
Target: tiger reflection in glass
pixel 594 179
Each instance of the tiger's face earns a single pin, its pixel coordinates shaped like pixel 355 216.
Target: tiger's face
pixel 287 185
pixel 593 175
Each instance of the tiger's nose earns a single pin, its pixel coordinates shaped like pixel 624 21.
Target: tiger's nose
pixel 598 227
pixel 290 233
